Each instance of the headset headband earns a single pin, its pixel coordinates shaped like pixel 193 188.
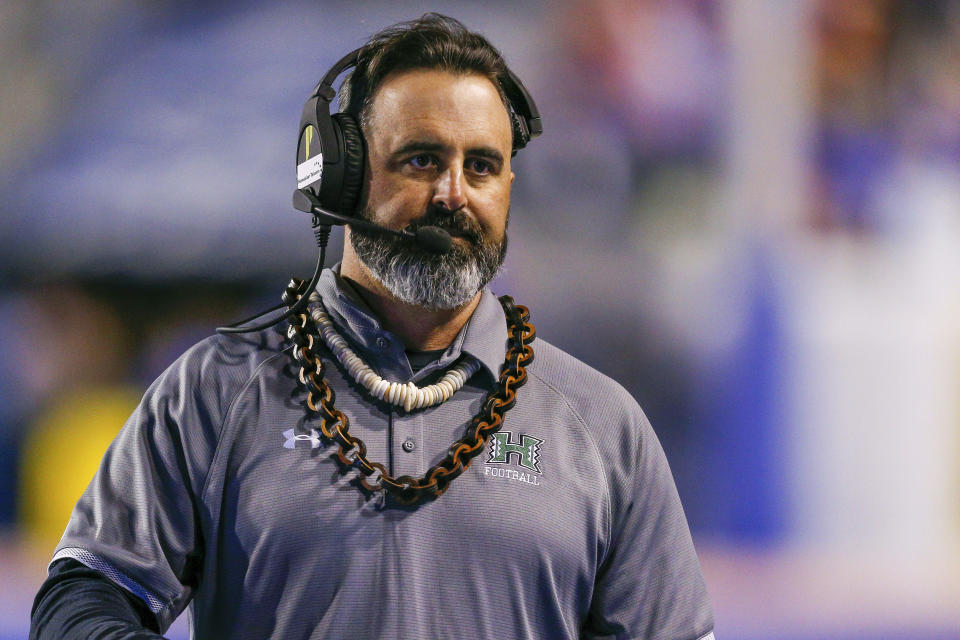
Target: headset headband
pixel 521 102
pixel 331 151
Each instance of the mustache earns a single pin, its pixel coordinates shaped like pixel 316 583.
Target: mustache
pixel 456 223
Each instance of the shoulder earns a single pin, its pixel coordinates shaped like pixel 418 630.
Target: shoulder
pixel 183 413
pixel 211 373
pixel 600 401
pixel 611 419
pixel 612 424
pixel 225 357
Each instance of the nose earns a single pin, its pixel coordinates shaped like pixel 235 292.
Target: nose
pixel 449 190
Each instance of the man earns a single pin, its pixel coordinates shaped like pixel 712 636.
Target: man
pixel 284 498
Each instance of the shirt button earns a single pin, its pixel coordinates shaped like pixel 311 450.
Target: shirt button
pixel 409 445
pixel 382 342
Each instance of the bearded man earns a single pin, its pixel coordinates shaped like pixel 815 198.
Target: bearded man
pixel 305 486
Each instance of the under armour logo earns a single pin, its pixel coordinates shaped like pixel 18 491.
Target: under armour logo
pixel 292 436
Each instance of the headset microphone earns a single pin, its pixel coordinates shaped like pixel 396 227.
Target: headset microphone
pixel 433 239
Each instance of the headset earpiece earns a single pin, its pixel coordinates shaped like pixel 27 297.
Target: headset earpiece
pixel 354 163
pixel 331 155
pixel 523 111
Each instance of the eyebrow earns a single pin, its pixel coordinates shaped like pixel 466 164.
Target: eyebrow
pixel 423 145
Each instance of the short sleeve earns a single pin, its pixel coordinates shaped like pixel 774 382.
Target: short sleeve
pixel 137 523
pixel 649 584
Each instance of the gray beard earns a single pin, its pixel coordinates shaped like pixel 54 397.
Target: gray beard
pixel 425 279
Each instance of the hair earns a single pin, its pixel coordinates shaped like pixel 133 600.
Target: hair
pixel 432 41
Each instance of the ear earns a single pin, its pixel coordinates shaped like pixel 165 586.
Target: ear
pixel 512 176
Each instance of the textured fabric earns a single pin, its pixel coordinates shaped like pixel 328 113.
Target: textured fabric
pixel 219 493
pixel 76 602
pixel 109 571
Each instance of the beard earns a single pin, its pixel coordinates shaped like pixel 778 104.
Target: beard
pixel 430 280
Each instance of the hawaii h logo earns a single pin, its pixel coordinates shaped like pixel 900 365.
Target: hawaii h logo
pixel 527 451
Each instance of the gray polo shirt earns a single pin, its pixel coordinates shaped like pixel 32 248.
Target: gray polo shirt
pixel 219 494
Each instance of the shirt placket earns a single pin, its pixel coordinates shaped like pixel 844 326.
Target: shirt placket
pixel 405 435
pixel 407 443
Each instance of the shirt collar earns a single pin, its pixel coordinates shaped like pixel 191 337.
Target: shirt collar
pixel 484 337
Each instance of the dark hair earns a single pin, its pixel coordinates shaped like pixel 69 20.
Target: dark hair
pixel 433 41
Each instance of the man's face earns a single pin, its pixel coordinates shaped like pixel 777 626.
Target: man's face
pixel 438 148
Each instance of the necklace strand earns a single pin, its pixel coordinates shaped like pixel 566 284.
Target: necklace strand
pixel 352 452
pixel 402 394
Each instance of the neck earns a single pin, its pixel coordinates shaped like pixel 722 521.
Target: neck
pixel 420 329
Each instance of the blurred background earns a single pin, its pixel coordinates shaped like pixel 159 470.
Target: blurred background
pixel 758 202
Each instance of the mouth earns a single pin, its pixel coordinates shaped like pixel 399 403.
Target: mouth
pixel 466 235
pixel 457 226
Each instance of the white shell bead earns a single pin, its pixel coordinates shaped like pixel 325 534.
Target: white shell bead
pixel 408 395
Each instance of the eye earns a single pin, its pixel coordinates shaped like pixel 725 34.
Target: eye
pixel 479 167
pixel 422 161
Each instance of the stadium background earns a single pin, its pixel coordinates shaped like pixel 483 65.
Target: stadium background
pixel 747 212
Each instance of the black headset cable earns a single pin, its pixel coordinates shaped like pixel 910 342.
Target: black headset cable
pixel 322 234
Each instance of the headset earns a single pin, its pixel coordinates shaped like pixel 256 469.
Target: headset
pixel 331 154
pixel 331 159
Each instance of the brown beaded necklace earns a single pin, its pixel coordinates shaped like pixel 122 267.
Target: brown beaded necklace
pixel 352 452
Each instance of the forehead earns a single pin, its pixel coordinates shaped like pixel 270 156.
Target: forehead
pixel 439 104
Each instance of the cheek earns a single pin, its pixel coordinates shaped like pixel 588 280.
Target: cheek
pixel 493 211
pixel 389 200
